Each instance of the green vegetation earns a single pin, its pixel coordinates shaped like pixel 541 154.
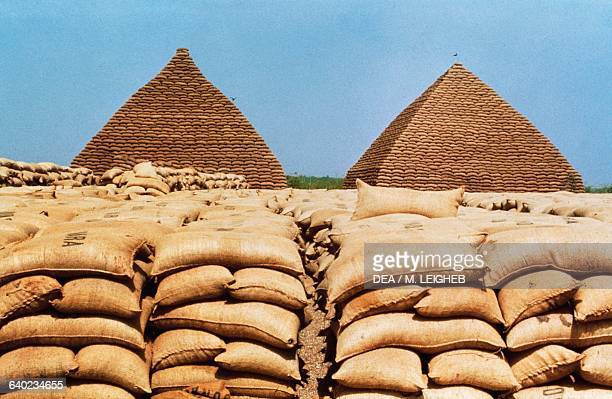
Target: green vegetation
pixel 314 182
pixel 599 189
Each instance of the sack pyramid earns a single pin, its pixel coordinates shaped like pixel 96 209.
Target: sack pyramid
pixel 461 132
pixel 179 119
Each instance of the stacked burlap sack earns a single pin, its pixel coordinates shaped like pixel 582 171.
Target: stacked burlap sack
pixel 21 216
pixel 313 210
pixel 18 173
pixel 563 203
pixel 447 342
pixel 72 306
pixel 556 296
pixel 387 337
pixel 229 303
pixel 148 179
pixel 165 211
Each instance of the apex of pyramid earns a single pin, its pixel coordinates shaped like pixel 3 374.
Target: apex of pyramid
pixel 458 67
pixel 182 50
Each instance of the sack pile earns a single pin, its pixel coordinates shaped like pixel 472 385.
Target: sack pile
pixel 596 206
pixel 229 303
pixel 147 179
pixel 442 338
pixel 558 333
pixel 71 307
pixel 313 211
pixel 80 274
pixel 557 325
pixel 445 339
pixel 169 212
pixel 17 174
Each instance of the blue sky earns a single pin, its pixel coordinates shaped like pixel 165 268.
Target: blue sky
pixel 318 79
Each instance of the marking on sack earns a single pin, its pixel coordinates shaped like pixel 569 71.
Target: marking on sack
pixel 554 393
pixel 73 239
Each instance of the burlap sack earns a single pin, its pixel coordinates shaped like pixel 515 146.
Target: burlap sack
pixel 596 365
pixel 76 253
pixel 367 229
pixel 521 303
pixel 544 365
pixel 183 346
pixel 346 274
pixel 145 169
pixel 252 385
pixel 558 328
pixel 380 301
pixel 567 390
pixel 113 365
pixel 323 217
pixel 235 250
pixel 242 225
pixel 71 332
pixel 415 332
pixel 602 213
pixel 374 370
pixel 212 390
pixel 26 217
pixel 373 201
pixel 474 368
pixel 147 304
pixel 101 296
pixel 458 392
pixel 20 230
pixel 62 212
pixel 166 217
pixel 532 250
pixel 182 376
pixel 341 392
pixel 27 295
pixel 270 286
pixel 250 357
pixel 184 211
pixel 594 299
pixel 110 174
pixel 460 302
pixel 189 208
pixel 11 236
pixel 262 322
pixel 146 182
pixel 150 232
pixel 191 285
pixel 75 390
pixel 37 362
pixel 218 212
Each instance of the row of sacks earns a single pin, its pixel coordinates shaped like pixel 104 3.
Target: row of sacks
pixel 145 178
pixel 457 333
pixel 73 305
pixel 18 173
pixel 229 304
pixel 313 211
pixel 596 206
pixel 590 303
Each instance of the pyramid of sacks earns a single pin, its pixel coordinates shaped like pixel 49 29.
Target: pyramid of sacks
pixel 461 132
pixel 179 119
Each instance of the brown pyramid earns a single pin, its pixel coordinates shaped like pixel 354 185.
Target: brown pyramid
pixel 180 119
pixel 461 132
